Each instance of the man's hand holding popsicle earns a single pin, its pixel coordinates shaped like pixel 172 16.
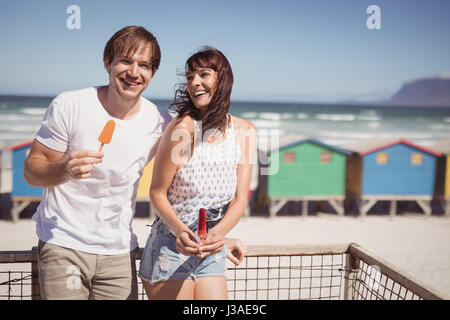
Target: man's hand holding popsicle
pixel 81 163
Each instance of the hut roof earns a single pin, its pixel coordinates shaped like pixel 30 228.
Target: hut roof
pixel 442 146
pixel 20 145
pixel 368 146
pixel 292 139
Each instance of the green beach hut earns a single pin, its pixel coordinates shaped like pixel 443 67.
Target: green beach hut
pixel 301 169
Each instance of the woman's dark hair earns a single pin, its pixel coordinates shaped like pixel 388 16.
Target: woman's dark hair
pixel 215 116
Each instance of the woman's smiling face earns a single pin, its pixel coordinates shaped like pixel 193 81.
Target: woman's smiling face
pixel 201 86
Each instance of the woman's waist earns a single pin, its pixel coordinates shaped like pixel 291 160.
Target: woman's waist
pixel 189 208
pixel 209 198
pixel 162 228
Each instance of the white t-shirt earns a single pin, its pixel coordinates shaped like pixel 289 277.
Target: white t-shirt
pixel 94 215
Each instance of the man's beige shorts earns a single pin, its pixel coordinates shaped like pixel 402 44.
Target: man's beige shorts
pixel 69 274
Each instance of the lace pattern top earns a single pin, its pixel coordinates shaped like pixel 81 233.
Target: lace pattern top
pixel 208 180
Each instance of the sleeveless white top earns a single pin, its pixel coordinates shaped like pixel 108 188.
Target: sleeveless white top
pixel 208 180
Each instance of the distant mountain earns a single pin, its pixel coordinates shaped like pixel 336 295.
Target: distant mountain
pixel 432 92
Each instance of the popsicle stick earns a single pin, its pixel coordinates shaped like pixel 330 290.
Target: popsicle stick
pixel 101 147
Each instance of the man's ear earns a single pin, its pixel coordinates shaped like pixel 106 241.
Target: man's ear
pixel 107 65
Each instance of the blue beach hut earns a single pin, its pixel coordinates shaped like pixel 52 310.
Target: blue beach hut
pixel 22 194
pixel 391 170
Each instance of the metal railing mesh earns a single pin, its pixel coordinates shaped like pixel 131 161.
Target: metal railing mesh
pixel 16 285
pixel 269 273
pixel 293 276
pixel 369 283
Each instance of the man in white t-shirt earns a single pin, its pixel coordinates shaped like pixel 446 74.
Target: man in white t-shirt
pixel 87 248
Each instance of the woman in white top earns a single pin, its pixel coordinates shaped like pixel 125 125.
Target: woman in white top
pixel 204 161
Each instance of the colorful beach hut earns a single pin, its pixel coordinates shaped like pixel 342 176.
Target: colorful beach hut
pixel 144 186
pixel 302 169
pixel 443 174
pixel 390 170
pixel 5 172
pixel 22 194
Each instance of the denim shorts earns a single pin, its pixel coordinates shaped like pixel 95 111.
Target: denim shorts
pixel 161 261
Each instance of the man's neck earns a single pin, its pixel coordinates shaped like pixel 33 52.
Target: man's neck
pixel 116 105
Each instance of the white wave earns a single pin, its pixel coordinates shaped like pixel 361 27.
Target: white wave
pixel 302 115
pixel 249 115
pixel 16 136
pixel 337 142
pixel 263 134
pixel 34 111
pixel 17 117
pixel 347 134
pixel 439 126
pixel 425 143
pixel 374 125
pixel 266 124
pixel 359 135
pixel 416 136
pixel 23 128
pixel 447 119
pixel 270 116
pixel 365 117
pixel 335 117
pixel 286 116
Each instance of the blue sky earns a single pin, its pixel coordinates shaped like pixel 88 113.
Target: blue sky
pixel 303 51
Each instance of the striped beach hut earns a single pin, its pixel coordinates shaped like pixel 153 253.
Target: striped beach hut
pixel 301 169
pixel 443 174
pixel 390 170
pixel 22 194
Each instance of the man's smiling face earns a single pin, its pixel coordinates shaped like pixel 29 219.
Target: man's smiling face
pixel 129 76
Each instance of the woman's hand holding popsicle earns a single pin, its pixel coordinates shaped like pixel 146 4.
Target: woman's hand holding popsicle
pixel 186 243
pixel 212 243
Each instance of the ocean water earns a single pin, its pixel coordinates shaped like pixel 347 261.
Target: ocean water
pixel 335 124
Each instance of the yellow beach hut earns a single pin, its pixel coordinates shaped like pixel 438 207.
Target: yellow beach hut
pixel 443 174
pixel 144 185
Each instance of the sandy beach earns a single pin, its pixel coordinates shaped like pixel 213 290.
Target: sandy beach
pixel 414 243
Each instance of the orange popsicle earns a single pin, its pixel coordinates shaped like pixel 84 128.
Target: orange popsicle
pixel 107 133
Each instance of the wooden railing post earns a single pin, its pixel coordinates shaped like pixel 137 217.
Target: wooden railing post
pixel 35 286
pixel 350 267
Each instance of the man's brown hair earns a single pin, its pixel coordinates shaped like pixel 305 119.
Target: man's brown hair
pixel 130 39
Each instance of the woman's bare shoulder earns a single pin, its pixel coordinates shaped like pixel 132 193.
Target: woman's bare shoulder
pixel 243 124
pixel 185 123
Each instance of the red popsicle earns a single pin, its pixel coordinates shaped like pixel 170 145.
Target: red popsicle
pixel 202 223
pixel 107 133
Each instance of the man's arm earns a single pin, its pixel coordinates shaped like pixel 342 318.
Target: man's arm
pixel 45 167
